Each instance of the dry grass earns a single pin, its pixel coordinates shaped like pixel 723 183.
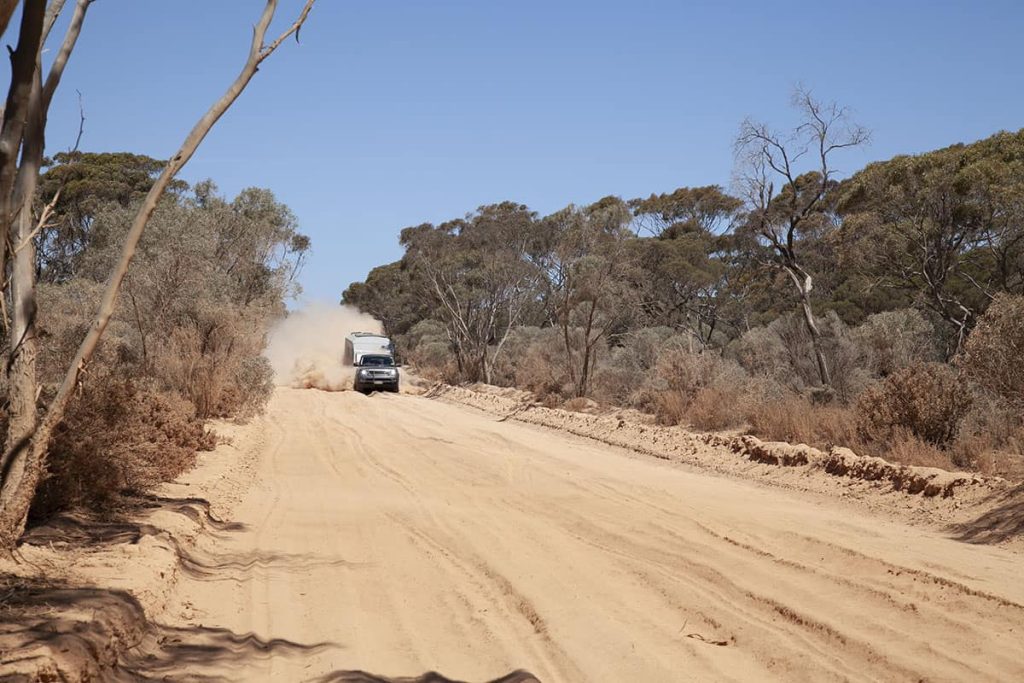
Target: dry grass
pixel 715 408
pixel 670 408
pixel 540 373
pixel 797 420
pixel 704 390
pixel 916 413
pixel 908 449
pixel 580 405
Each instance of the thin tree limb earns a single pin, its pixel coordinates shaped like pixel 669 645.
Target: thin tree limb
pixel 52 13
pixel 66 48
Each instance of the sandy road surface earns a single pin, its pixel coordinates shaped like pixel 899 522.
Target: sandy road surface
pixel 413 535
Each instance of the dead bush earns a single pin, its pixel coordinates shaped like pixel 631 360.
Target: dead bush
pixel 581 405
pixel 506 367
pixel 975 452
pixel 542 367
pixel 426 346
pixel 65 314
pixel 252 386
pixel 994 353
pixel 688 373
pixel 928 400
pixel 212 358
pixel 762 353
pixel 643 347
pixel 670 407
pixel 616 383
pixel 703 390
pixel 991 437
pixel 539 373
pixel 432 358
pixel 994 419
pixel 118 437
pixel 625 376
pixel 715 408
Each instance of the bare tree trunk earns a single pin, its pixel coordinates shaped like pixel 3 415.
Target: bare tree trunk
pixel 819 354
pixel 28 455
pixel 804 285
pixel 486 366
pixel 588 351
pixel 18 464
pixel 20 470
pixel 565 314
pixel 24 64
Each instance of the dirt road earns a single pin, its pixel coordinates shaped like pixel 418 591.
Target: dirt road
pixel 408 535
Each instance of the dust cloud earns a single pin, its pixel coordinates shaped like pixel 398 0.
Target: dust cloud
pixel 305 349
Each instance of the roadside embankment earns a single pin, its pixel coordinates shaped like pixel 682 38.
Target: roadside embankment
pixel 932 496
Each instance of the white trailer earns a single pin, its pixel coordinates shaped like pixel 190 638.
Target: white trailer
pixel 359 344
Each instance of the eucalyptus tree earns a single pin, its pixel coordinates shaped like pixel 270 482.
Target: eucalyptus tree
pixel 478 277
pixel 946 226
pixel 76 185
pixel 589 265
pixel 787 180
pixel 684 261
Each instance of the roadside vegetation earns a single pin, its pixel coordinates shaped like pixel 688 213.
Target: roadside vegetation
pixel 132 306
pixel 185 340
pixel 883 311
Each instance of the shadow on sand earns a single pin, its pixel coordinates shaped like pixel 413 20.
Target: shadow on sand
pixel 85 530
pixel 83 633
pixel 1003 521
pixel 50 630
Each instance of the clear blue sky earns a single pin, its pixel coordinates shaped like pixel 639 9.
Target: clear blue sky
pixel 395 112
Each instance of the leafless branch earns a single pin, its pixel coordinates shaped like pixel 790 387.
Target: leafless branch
pixel 66 47
pixel 293 29
pixel 43 222
pixel 81 122
pixel 24 60
pixel 53 11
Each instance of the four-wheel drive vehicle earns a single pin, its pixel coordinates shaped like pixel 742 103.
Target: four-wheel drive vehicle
pixel 376 372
